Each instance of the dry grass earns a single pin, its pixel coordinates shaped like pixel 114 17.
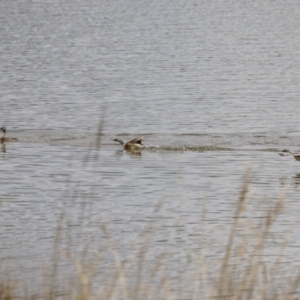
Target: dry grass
pixel 6 291
pixel 241 271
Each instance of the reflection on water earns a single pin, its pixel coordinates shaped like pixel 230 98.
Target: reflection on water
pixel 290 179
pixel 3 147
pixel 296 179
pixel 128 152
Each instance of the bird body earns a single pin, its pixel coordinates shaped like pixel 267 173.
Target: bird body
pixel 133 145
pixel 287 152
pixel 6 139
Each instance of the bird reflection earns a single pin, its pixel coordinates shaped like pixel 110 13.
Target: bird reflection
pixel 293 180
pixel 127 152
pixel 296 179
pixel 3 146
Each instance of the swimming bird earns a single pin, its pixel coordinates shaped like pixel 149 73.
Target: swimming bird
pixel 133 145
pixel 6 139
pixel 287 151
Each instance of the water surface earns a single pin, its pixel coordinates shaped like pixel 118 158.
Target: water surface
pixel 211 86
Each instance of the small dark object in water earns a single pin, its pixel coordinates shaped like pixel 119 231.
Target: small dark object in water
pixel 287 152
pixel 6 139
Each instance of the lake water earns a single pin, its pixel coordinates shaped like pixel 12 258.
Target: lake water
pixel 212 86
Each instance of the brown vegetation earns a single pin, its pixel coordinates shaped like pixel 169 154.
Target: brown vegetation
pixel 241 271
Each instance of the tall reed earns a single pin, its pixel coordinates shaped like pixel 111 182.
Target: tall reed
pixel 240 271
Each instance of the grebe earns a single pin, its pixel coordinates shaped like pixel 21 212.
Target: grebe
pixel 135 144
pixel 285 151
pixel 6 139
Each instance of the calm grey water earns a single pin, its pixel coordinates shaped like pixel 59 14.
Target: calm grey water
pixel 213 86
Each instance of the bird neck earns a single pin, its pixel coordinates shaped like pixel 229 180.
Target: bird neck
pixel 120 141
